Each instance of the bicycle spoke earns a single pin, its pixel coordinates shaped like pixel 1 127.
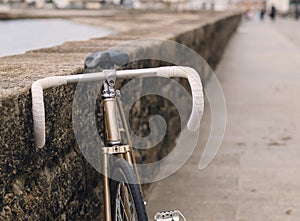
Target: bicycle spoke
pixel 124 206
pixel 120 203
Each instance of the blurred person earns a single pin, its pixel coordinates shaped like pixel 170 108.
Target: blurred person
pixel 262 13
pixel 273 13
pixel 249 14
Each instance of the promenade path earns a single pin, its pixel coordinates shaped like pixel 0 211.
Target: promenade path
pixel 256 174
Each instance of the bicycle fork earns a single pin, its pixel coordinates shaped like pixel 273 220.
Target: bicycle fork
pixel 112 140
pixel 112 137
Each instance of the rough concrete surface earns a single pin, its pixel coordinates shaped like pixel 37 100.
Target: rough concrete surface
pixel 56 182
pixel 255 175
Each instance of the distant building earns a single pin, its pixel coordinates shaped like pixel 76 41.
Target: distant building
pixel 58 3
pixel 281 5
pixel 90 4
pixel 218 5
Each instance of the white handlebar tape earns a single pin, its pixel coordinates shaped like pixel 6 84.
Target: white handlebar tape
pixel 38 110
pixel 196 88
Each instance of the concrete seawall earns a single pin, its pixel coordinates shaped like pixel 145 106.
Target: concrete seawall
pixel 56 181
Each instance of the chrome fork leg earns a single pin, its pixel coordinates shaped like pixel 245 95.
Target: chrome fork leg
pixel 106 186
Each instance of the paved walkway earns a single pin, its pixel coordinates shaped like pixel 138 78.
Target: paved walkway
pixel 256 175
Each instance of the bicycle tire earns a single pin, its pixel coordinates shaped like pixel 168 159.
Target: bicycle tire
pixel 126 178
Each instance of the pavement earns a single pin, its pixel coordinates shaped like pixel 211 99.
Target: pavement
pixel 255 175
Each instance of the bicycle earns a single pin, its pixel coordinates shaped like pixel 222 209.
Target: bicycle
pixel 122 195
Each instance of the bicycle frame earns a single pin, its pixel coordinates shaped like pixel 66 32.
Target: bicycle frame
pixel 113 139
pixel 111 104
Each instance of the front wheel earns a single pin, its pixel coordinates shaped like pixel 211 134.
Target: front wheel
pixel 126 199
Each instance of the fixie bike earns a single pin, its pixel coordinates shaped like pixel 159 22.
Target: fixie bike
pixel 122 193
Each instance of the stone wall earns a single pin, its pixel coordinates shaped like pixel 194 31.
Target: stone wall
pixel 56 182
